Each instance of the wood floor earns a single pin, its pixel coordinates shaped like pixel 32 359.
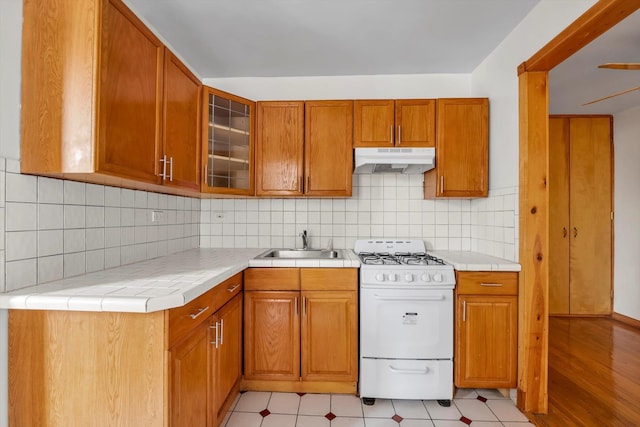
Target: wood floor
pixel 594 374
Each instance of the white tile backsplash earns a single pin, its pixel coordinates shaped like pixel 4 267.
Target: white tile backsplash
pixel 57 228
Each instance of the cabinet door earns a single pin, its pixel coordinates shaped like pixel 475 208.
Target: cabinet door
pixel 181 124
pixel 373 123
pixel 559 227
pixel 189 373
pixel 328 148
pixel 227 365
pixel 329 336
pixel 486 341
pixel 462 148
pixel 227 145
pixel 590 215
pixel 416 123
pixel 130 93
pixel 272 336
pixel 279 148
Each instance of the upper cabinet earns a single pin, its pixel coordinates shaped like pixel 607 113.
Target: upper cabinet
pixel 304 148
pixel 462 149
pixel 227 145
pixel 400 123
pixel 96 91
pixel 181 125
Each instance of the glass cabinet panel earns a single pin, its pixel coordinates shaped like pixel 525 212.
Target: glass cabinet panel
pixel 228 139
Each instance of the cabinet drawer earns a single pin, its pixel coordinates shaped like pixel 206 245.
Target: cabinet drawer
pixel 272 279
pixel 486 283
pixel 329 279
pixel 226 290
pixel 183 320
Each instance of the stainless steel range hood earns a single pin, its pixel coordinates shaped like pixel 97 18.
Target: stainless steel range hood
pixel 394 160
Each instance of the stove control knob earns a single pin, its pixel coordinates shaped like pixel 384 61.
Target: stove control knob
pixel 425 277
pixel 408 277
pixel 437 277
pixel 380 277
pixel 393 277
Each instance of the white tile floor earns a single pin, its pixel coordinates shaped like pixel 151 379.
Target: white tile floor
pixel 478 408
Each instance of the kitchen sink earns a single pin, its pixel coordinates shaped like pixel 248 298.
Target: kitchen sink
pixel 302 253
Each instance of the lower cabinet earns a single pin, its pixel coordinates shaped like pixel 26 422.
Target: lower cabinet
pixel 172 368
pixel 486 329
pixel 301 330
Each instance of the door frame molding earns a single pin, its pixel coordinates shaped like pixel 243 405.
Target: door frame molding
pixel 533 317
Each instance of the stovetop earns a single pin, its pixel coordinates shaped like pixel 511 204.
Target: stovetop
pixel 398 258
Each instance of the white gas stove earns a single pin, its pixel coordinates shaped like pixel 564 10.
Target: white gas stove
pixel 406 322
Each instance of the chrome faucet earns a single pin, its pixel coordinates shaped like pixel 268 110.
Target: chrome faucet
pixel 305 240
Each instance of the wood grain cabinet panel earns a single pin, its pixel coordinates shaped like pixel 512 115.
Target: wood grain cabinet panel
pixel 580 220
pixel 181 124
pixel 96 92
pixel 486 326
pixel 301 341
pixel 304 148
pixel 462 149
pixel 399 123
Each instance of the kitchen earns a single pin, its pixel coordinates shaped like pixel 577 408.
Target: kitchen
pixel 450 226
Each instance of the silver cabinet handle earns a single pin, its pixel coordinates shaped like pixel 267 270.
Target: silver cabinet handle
pixel 198 313
pixel 564 232
pixel 233 288
pixel 399 135
pixel 170 168
pixel 163 160
pixel 496 285
pixel 575 232
pixel 221 331
pixel 464 311
pixel 217 336
pixel 391 135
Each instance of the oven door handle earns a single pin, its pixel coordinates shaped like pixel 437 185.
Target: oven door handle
pixel 393 369
pixel 408 299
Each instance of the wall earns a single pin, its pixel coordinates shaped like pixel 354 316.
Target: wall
pixel 626 272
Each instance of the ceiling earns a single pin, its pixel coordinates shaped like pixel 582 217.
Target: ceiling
pixel 279 38
pixel 579 80
pixel 267 38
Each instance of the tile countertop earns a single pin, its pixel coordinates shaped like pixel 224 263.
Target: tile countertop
pixel 473 261
pixel 153 285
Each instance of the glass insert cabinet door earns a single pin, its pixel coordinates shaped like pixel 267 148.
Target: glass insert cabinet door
pixel 228 143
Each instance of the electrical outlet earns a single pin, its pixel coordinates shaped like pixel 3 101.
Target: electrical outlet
pixel 218 215
pixel 157 216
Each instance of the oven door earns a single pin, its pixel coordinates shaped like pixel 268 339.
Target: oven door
pixel 406 324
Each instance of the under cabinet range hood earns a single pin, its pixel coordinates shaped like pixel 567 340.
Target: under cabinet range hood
pixel 394 160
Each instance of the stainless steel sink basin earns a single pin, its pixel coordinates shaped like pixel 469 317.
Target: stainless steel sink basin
pixel 303 253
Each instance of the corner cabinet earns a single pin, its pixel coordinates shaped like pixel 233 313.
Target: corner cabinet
pixel 301 330
pixel 486 330
pixel 399 123
pixel 304 148
pixel 96 91
pixel 462 149
pixel 171 368
pixel 227 144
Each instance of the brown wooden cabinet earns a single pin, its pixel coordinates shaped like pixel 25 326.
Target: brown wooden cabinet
pixel 227 143
pixel 301 330
pixel 96 90
pixel 180 161
pixel 388 123
pixel 486 330
pixel 304 149
pixel 462 149
pixel 580 215
pixel 154 369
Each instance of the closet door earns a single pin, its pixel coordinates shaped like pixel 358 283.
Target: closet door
pixel 559 215
pixel 590 215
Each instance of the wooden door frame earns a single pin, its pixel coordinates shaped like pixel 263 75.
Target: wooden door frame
pixel 533 318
